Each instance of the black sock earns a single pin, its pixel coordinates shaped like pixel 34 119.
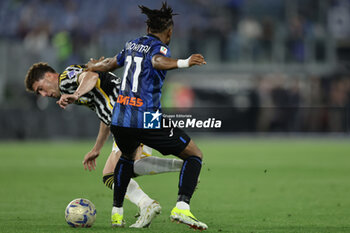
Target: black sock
pixel 122 174
pixel 108 180
pixel 188 178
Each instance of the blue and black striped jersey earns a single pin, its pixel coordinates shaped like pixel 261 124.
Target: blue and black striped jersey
pixel 140 90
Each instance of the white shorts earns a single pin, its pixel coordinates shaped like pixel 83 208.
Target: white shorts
pixel 146 151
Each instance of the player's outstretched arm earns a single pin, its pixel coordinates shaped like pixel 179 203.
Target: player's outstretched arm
pixel 87 81
pixel 102 64
pixel 89 161
pixel 160 62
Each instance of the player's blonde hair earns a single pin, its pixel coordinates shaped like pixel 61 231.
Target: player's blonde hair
pixel 35 73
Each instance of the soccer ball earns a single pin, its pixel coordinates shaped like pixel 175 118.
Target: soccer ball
pixel 80 213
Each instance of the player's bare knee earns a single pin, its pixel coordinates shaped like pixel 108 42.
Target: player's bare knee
pixel 193 151
pixel 196 151
pixel 199 154
pixel 130 156
pixel 127 156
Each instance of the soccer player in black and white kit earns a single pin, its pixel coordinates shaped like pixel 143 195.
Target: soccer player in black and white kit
pixel 146 61
pixel 99 92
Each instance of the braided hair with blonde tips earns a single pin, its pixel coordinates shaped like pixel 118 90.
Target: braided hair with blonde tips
pixel 158 20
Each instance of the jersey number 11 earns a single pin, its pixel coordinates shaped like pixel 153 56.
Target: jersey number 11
pixel 135 79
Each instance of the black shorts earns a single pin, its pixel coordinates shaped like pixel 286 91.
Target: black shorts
pixel 166 140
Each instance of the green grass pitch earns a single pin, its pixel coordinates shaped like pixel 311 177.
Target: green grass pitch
pixel 246 185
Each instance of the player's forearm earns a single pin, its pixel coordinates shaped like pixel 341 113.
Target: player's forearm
pixel 87 83
pixel 160 62
pixel 108 64
pixel 164 63
pixel 102 137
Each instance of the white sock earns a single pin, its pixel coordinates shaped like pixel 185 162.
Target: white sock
pixel 155 165
pixel 182 205
pixel 117 210
pixel 135 194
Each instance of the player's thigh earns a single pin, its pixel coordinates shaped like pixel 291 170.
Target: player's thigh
pixel 139 152
pixel 111 162
pixel 166 140
pixel 127 140
pixel 113 159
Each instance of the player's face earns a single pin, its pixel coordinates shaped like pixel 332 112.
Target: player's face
pixel 47 87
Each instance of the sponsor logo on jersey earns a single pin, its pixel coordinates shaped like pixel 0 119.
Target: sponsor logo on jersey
pixel 151 120
pixel 163 50
pixel 71 74
pixel 132 101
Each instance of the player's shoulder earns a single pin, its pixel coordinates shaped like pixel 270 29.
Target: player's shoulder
pixel 72 71
pixel 75 67
pixel 157 46
pixel 160 48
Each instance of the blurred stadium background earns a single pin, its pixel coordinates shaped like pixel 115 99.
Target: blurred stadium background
pixel 273 66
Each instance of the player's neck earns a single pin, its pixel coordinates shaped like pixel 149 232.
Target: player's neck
pixel 56 79
pixel 159 36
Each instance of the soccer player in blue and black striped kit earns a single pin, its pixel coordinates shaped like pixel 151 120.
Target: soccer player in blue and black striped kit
pixel 146 61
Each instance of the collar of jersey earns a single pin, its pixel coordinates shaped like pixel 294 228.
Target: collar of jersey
pixel 153 36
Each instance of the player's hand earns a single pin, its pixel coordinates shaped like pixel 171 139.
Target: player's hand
pixel 90 65
pixel 67 99
pixel 196 59
pixel 89 161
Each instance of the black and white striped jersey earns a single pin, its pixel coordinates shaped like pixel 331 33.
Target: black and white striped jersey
pixel 100 99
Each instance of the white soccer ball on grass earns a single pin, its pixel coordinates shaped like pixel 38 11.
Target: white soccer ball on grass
pixel 80 213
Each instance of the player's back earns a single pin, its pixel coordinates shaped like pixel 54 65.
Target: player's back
pixel 141 85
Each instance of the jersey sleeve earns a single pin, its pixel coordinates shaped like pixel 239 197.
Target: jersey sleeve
pixel 121 58
pixel 68 80
pixel 160 49
pixel 72 72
